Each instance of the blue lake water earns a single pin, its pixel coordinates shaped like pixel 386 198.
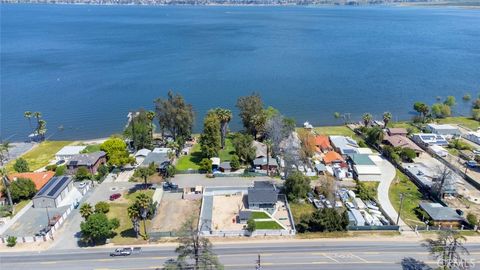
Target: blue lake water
pixel 85 67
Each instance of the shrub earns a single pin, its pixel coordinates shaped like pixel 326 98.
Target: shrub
pixel 206 165
pixel 11 241
pixel 476 114
pixel 60 170
pixel 235 163
pixel 102 207
pixel 251 225
pixel 472 219
pixel 52 167
pixel 82 174
pixel 297 186
pixel 364 192
pixel 21 165
pixel 22 189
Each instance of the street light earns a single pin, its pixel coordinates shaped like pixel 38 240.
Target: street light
pixel 400 209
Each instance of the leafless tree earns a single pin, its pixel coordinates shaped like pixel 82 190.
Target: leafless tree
pixel 449 250
pixel 443 179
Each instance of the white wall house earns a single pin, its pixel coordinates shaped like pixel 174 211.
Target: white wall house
pixel 445 130
pixel 68 152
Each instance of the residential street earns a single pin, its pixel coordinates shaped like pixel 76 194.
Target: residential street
pixel 308 254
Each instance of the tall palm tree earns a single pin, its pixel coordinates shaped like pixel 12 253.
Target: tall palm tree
pixel 224 116
pixel 387 116
pixel 151 116
pixel 269 144
pixel 5 147
pixel 134 216
pixel 28 115
pixel 143 203
pixel 37 115
pixel 42 128
pixel 86 210
pixel 367 118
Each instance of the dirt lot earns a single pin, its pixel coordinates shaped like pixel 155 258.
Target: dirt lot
pixel 173 211
pixel 225 211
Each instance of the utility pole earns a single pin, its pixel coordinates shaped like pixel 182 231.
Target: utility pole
pixel 259 264
pixel 400 209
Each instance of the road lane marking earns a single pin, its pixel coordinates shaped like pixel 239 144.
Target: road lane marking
pixel 335 260
pixel 360 258
pixel 54 262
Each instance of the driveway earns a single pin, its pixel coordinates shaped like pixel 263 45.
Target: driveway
pixel 192 180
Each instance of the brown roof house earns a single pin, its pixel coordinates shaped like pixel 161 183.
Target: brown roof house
pixel 91 161
pixel 402 142
pixel 397 131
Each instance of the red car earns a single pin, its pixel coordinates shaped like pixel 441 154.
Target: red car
pixel 115 196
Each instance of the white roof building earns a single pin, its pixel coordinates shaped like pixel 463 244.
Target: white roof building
pixel 68 152
pixel 215 161
pixel 161 150
pixel 438 150
pixel 443 129
pixel 473 136
pixel 427 139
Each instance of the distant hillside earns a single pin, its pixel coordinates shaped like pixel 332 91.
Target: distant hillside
pixel 225 2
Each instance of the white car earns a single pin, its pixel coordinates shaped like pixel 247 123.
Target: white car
pixel 82 185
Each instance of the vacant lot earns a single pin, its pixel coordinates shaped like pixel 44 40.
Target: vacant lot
pixel 225 211
pixel 301 210
pixel 335 130
pixel 173 211
pixel 41 154
pixel 412 197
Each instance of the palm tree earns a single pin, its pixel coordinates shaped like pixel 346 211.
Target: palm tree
pixel 42 128
pixel 144 173
pixel 268 144
pixel 367 118
pixel 387 116
pixel 224 116
pixel 86 210
pixel 28 115
pixel 37 115
pixel 143 203
pixel 134 216
pixel 151 116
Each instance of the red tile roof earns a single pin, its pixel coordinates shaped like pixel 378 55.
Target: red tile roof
pixel 39 178
pixel 323 142
pixel 332 156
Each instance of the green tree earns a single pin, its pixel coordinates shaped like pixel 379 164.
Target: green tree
pixel 448 250
pixel 422 109
pixel 143 204
pixel 450 101
pixel 42 128
pixel 224 116
pixel 86 210
pixel 134 214
pixel 28 115
pixel 235 163
pixel 194 247
pixel 102 207
pixel 97 228
pixel 22 189
pixel 327 220
pixel 472 219
pixel 116 150
pixel 297 186
pixel 367 119
pixel 252 114
pixel 206 165
pixel 408 154
pixel 140 129
pixel 60 170
pixel 387 116
pixel 145 172
pixel 364 192
pixel 210 140
pixel 174 115
pixel 440 110
pixel 21 165
pixel 11 241
pixel 82 174
pixel 244 149
pixel 251 225
pixel 374 135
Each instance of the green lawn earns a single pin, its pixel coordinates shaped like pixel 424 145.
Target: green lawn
pixel 91 148
pixel 192 160
pixel 413 196
pixel 404 124
pixel 268 225
pixel 258 215
pixel 41 154
pixel 335 130
pixel 118 209
pixel 300 210
pixel 464 121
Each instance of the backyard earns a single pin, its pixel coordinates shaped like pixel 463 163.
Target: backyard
pixel 40 155
pixel 268 225
pixel 118 209
pixel 412 197
pixel 335 130
pixel 192 160
pixel 300 210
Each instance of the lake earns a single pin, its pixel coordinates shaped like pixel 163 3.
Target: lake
pixel 85 67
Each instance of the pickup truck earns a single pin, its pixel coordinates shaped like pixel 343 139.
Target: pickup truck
pixel 120 252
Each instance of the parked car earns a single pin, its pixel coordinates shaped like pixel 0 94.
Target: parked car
pixel 169 186
pixel 120 252
pixel 115 196
pixel 471 164
pixel 82 185
pixel 318 204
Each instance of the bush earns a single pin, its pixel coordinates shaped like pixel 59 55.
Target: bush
pixel 22 189
pixel 235 163
pixel 472 219
pixel 251 225
pixel 364 192
pixel 11 241
pixel 60 170
pixel 325 220
pixel 102 207
pixel 297 186
pixel 52 167
pixel 476 114
pixel 102 170
pixel 82 174
pixel 362 144
pixel 206 165
pixel 21 165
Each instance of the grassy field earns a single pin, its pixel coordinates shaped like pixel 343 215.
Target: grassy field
pixel 268 225
pixel 405 125
pixel 300 210
pixel 257 215
pixel 315 235
pixel 403 185
pixel 464 121
pixel 334 130
pixel 372 185
pixel 125 233
pixel 41 154
pixel 192 160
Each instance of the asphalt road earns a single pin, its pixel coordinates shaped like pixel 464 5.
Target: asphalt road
pixel 274 255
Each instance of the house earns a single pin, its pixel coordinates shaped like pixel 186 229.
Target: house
pixel 263 195
pixel 141 154
pixel 397 131
pixel 260 149
pixel 427 139
pixel 332 157
pixel 441 215
pixel 52 193
pixel 473 136
pixel 444 129
pixel 244 216
pixel 38 178
pixel 261 164
pixel 438 150
pixel 344 145
pixel 68 151
pixel 402 142
pixel 91 161
pixel 225 167
pixel 320 168
pixel 215 163
pixel 363 166
pixel 159 159
pixel 322 142
pixel 425 176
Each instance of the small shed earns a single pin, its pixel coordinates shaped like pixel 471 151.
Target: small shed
pixel 441 215
pixel 244 216
pixel 225 166
pixel 215 163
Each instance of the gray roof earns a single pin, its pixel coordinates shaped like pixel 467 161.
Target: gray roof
pixel 157 158
pixel 440 213
pixel 86 159
pixel 320 167
pixel 345 145
pixel 54 187
pixel 263 161
pixel 244 215
pixel 426 176
pixel 225 165
pixel 262 192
